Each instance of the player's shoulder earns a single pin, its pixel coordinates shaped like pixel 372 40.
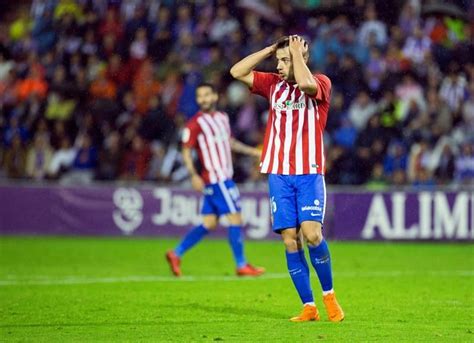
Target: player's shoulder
pixel 222 114
pixel 322 78
pixel 194 120
pixel 269 76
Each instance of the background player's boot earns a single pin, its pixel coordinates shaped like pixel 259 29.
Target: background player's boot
pixel 333 308
pixel 309 313
pixel 249 270
pixel 174 261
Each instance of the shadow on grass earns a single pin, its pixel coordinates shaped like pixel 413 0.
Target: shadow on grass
pixel 226 310
pixel 109 324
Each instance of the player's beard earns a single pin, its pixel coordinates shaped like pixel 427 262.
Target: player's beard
pixel 207 108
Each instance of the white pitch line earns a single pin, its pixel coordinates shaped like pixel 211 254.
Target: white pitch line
pixel 14 280
pixel 133 278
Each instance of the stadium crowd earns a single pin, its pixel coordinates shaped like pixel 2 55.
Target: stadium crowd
pixel 101 89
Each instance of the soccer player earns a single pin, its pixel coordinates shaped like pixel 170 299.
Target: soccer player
pixel 209 133
pixel 293 156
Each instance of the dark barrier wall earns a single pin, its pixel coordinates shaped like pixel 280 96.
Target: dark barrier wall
pixel 159 211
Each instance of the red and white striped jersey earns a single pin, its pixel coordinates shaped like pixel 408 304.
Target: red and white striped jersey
pixel 293 143
pixel 210 135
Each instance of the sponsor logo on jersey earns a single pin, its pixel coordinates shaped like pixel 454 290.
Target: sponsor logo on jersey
pixel 289 105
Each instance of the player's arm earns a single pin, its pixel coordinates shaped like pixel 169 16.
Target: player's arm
pixel 245 149
pixel 243 70
pixel 303 76
pixel 196 181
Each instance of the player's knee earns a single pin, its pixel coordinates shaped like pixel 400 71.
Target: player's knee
pixel 314 237
pixel 312 232
pixel 234 219
pixel 210 227
pixel 210 223
pixel 290 245
pixel 290 241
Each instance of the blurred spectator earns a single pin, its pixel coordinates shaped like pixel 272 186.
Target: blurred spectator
pixel 396 159
pixel 38 158
pixel 84 163
pixel 109 157
pixel 62 159
pixel 468 109
pixel 445 170
pixel 20 28
pixel 409 17
pixel 111 25
pixel 139 46
pixel 145 86
pixel 184 22
pixel 417 46
pixel 162 35
pixel 454 88
pixel 424 180
pixel 6 66
pixel 15 129
pixel 14 159
pixel 223 24
pixel 373 31
pixel 136 160
pixel 419 159
pixel 33 84
pixel 361 110
pixel 103 88
pixel 375 70
pixel 410 94
pixel 117 72
pixel 377 181
pixel 346 134
pixel 464 165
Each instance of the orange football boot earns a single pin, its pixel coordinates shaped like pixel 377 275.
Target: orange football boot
pixel 249 270
pixel 333 308
pixel 175 262
pixel 309 313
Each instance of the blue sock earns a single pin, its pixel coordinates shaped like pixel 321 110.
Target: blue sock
pixel 299 272
pixel 303 260
pixel 237 244
pixel 321 261
pixel 191 239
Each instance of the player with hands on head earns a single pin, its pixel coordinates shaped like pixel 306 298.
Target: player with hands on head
pixel 293 156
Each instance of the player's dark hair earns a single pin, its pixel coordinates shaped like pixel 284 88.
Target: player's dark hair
pixel 284 42
pixel 207 85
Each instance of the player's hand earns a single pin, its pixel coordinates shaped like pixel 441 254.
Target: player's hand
pixel 256 153
pixel 197 183
pixel 272 49
pixel 298 45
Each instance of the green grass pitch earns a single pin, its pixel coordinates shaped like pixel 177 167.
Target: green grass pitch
pixel 89 289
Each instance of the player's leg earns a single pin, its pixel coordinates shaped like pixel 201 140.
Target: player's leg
pixel 236 242
pixel 311 206
pixel 299 273
pixel 284 222
pixel 195 235
pixel 319 253
pixel 227 202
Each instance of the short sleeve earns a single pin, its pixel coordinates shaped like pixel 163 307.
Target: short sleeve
pixel 324 88
pixel 262 83
pixel 190 134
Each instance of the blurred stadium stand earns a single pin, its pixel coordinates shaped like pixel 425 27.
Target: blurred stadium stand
pixel 99 90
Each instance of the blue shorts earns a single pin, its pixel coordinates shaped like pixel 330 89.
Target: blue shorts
pixel 220 198
pixel 295 199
